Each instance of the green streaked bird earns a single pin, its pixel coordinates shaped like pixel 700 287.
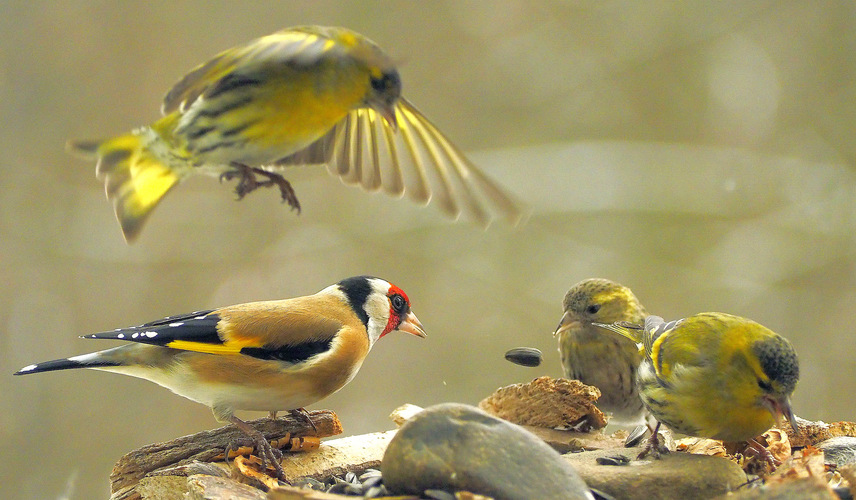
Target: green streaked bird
pixel 713 375
pixel 604 361
pixel 307 95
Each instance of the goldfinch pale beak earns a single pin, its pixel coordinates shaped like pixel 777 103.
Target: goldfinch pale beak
pixel 411 325
pixel 781 408
pixel 566 324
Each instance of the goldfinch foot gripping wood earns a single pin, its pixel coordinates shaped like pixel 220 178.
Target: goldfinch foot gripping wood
pixel 308 95
pixel 713 375
pixel 261 356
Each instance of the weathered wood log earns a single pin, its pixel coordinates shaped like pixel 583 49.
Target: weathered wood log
pixel 548 402
pixel 339 456
pixel 206 446
pixel 218 488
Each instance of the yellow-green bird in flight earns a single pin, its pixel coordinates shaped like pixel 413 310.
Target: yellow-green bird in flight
pixel 307 95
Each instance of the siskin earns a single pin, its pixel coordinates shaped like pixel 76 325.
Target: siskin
pixel 713 375
pixel 307 95
pixel 606 362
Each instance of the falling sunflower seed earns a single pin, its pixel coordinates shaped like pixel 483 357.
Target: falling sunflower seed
pixel 524 356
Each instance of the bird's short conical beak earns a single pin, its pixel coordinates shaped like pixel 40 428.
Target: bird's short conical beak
pixel 781 408
pixel 388 114
pixel 566 324
pixel 411 325
pixel 788 413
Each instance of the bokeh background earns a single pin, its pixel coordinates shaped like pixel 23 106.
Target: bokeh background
pixel 701 153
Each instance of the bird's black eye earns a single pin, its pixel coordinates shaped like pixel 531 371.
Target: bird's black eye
pixel 386 82
pixel 593 309
pixel 399 305
pixel 765 386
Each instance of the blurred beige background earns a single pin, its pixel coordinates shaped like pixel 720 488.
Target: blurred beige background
pixel 701 153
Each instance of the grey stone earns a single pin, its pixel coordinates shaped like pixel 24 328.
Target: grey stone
pixel 806 488
pixel 675 475
pixel 456 447
pixel 839 451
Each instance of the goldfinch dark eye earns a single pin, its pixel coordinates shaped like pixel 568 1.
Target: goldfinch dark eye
pixel 593 309
pixel 399 305
pixel 765 386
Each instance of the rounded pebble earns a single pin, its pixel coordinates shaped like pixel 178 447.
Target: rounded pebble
pixel 455 447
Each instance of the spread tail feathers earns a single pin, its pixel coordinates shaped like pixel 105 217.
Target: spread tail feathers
pixel 134 178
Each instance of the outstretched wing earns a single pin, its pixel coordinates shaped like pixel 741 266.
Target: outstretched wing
pixel 416 160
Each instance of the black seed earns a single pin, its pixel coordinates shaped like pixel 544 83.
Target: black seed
pixel 369 473
pixel 371 481
pixel 614 460
pixel 635 436
pixel 524 356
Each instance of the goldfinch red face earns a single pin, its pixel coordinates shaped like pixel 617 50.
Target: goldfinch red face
pixel 382 306
pixel 400 316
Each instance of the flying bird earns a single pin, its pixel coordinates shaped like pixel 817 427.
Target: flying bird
pixel 308 95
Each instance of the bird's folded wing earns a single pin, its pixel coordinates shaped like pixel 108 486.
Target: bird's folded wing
pixel 247 65
pixel 262 330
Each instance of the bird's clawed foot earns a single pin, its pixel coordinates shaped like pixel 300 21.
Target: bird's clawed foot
pixel 248 182
pixel 654 446
pixel 756 450
pixel 267 453
pixel 302 413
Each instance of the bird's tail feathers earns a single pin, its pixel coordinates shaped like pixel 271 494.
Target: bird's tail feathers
pixel 82 361
pixel 134 177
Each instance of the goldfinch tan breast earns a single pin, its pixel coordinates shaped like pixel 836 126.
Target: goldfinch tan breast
pixel 307 95
pixel 265 356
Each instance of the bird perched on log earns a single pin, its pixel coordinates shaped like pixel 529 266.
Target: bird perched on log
pixel 264 356
pixel 307 95
pixel 604 361
pixel 713 375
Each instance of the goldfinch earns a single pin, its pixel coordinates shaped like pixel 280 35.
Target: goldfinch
pixel 302 96
pixel 265 356
pixel 713 375
pixel 604 361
